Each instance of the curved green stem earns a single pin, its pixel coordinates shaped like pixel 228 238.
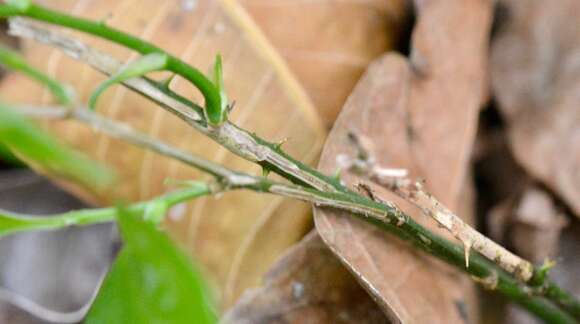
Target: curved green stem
pixel 209 91
pixel 326 188
pixel 12 222
pixel 12 60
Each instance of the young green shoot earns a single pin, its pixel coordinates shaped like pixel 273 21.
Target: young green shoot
pixel 216 117
pixel 145 64
pixel 26 8
pixel 307 180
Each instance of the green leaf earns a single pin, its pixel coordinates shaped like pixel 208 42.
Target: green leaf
pixel 151 282
pixel 145 64
pixel 40 149
pixel 7 157
pixel 12 60
pixel 217 115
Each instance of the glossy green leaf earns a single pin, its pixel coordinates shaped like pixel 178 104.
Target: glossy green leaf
pixel 145 64
pixel 152 281
pixel 39 149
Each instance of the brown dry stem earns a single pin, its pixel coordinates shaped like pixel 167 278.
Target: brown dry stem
pixel 398 182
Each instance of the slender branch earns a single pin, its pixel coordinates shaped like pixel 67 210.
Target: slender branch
pixel 395 180
pixel 467 235
pixel 383 215
pixel 97 215
pixel 27 9
pixel 310 185
pixel 235 139
pixel 561 297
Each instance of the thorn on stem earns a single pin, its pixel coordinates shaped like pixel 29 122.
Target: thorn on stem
pixel 103 21
pixel 490 282
pixel 165 84
pixel 401 220
pixel 230 107
pixel 278 145
pixel 366 190
pixel 466 250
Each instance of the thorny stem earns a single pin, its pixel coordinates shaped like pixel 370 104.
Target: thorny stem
pixel 396 180
pixel 383 215
pixel 238 141
pixel 100 29
pixel 310 185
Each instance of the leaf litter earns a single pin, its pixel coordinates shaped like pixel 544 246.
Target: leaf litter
pixel 421 115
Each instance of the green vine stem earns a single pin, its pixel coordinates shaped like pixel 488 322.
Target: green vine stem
pixel 13 222
pixel 386 217
pixel 309 184
pixel 209 91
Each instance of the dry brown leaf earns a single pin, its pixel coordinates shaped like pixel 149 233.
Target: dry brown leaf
pixel 539 226
pixel 328 44
pixel 420 115
pixel 351 45
pixel 532 224
pixel 235 237
pixel 308 285
pixel 563 247
pixel 536 77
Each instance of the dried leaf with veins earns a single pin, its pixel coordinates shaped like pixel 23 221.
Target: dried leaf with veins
pixel 328 44
pixel 236 236
pixel 307 285
pixel 420 115
pixel 536 76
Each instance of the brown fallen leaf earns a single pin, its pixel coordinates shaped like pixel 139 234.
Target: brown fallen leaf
pixel 540 239
pixel 307 285
pixel 499 219
pixel 420 115
pixel 539 226
pixel 328 44
pixel 223 232
pixel 531 224
pixel 536 77
pixel 501 180
pixel 565 273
